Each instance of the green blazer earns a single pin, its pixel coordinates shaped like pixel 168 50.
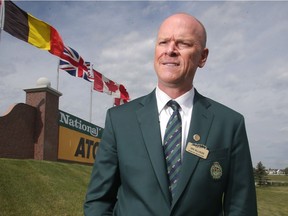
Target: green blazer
pixel 129 175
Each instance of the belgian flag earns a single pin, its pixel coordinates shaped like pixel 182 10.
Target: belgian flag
pixel 26 27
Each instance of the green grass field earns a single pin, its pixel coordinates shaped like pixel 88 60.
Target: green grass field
pixel 272 201
pixel 43 188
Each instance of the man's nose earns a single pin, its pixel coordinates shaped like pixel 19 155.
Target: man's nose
pixel 172 49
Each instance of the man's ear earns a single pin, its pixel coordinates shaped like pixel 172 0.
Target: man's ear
pixel 204 57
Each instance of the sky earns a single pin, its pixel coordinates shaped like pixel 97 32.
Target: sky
pixel 247 67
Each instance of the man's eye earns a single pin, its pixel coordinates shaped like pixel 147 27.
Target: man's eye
pixel 162 42
pixel 184 44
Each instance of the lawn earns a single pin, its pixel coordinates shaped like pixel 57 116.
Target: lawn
pixel 272 201
pixel 42 188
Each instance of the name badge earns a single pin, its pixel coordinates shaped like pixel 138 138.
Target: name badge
pixel 199 150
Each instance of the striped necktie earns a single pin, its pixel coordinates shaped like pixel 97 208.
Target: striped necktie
pixel 172 145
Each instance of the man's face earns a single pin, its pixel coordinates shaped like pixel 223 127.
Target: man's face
pixel 179 51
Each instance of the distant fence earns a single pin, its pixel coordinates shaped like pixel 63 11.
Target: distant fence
pixel 277 183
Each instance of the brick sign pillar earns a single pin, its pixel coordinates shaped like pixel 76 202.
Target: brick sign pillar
pixel 46 100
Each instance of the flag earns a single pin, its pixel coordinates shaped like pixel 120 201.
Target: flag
pixel 28 28
pixel 103 84
pixel 119 101
pixel 89 73
pixel 74 64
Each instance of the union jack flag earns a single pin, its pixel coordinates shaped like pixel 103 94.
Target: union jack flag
pixel 73 63
pixel 89 75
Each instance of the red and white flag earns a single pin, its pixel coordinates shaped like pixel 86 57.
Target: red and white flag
pixel 119 101
pixel 103 84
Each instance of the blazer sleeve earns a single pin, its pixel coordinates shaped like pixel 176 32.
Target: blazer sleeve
pixel 102 190
pixel 240 195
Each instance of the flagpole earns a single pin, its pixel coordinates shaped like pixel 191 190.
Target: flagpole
pixel 58 67
pixel 91 94
pixel 2 16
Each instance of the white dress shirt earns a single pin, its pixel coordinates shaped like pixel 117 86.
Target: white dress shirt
pixel 186 103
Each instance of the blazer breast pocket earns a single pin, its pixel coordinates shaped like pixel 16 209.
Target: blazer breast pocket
pixel 217 154
pixel 216 164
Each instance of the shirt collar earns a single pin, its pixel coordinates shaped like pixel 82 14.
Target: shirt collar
pixel 185 101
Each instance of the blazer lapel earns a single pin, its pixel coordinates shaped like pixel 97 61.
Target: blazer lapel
pixel 149 123
pixel 200 124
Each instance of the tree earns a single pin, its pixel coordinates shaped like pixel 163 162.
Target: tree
pixel 286 171
pixel 260 174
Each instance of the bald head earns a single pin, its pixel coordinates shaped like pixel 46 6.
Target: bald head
pixel 195 26
pixel 179 51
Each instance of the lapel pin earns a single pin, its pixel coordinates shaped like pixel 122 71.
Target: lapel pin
pixel 196 137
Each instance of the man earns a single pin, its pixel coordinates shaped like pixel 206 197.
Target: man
pixel 202 168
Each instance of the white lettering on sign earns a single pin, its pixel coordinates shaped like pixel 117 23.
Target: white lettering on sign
pixel 77 123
